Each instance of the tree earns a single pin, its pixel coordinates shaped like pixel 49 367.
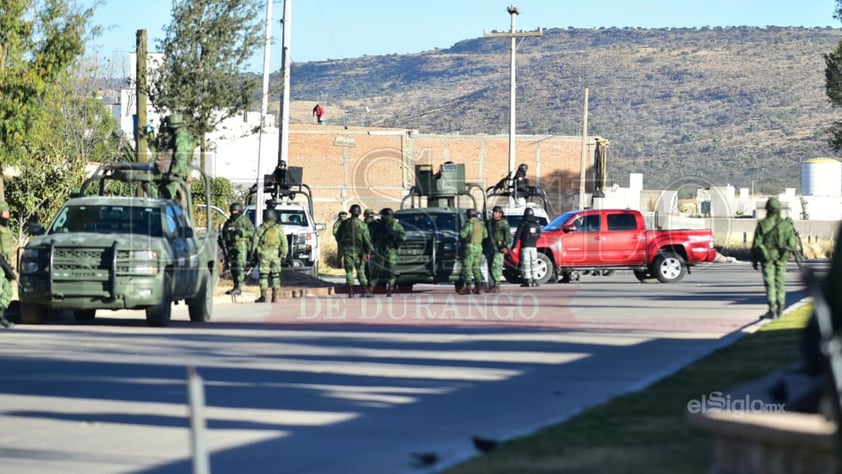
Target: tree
pixel 206 48
pixel 39 42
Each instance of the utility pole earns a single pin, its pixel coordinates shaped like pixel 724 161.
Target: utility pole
pixel 583 167
pixel 264 107
pixel 141 147
pixel 513 11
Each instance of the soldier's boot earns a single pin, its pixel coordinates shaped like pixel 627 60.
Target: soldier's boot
pixel 276 294
pixel 526 284
pixel 367 292
pixel 5 323
pixel 487 288
pixel 262 298
pixel 464 290
pixel 535 283
pixel 350 291
pixel 388 290
pixel 477 289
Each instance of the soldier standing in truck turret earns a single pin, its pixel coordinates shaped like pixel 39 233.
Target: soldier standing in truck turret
pixel 180 147
pixel 7 243
pixel 269 247
pixel 355 246
pixel 473 233
pixel 237 234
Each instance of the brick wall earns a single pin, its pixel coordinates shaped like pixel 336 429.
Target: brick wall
pixel 375 167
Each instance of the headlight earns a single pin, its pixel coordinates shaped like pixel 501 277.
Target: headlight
pixel 144 262
pixel 28 266
pixel 31 253
pixel 144 255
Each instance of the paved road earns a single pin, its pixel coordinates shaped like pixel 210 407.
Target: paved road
pixel 331 385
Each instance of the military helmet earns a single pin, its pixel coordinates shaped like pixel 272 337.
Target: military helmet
pixel 369 213
pixel 470 213
pixel 528 212
pixel 356 210
pixel 270 215
pixel 343 214
pixel 235 207
pixel 175 121
pixel 522 168
pixel 387 212
pixel 496 209
pixel 773 204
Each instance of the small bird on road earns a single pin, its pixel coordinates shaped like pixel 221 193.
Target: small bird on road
pixel 484 445
pixel 424 459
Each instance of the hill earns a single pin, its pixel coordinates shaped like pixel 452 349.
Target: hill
pixel 739 105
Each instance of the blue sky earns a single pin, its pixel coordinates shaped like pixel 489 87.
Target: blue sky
pixel 335 29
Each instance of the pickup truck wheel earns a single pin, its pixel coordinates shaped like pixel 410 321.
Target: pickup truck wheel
pixel 669 267
pixel 200 308
pixel 84 315
pixel 159 315
pixel 545 270
pixel 644 276
pixel 31 313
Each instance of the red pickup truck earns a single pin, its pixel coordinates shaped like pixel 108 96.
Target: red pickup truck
pixel 613 239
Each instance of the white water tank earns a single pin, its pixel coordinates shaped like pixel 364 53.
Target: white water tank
pixel 821 177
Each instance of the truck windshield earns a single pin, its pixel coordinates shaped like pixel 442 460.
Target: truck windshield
pixel 108 220
pixel 559 221
pixel 427 222
pixel 287 217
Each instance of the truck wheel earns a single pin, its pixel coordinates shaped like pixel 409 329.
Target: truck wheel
pixel 31 313
pixel 200 308
pixel 644 276
pixel 159 315
pixel 669 267
pixel 545 271
pixel 84 314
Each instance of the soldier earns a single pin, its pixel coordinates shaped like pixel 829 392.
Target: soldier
pixel 526 235
pixel 7 243
pixel 473 233
pixel 498 244
pixel 355 246
pixel 388 236
pixel 181 146
pixel 237 234
pixel 336 225
pixel 269 248
pixel 370 220
pixel 774 241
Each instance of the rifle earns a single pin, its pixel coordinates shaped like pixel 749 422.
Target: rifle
pixel 7 269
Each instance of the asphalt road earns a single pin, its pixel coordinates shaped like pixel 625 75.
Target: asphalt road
pixel 332 385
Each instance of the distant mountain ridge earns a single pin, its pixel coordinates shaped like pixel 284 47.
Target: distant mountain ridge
pixel 739 105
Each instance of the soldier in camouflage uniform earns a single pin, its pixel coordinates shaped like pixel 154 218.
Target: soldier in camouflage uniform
pixel 498 244
pixel 774 241
pixel 370 220
pixel 181 146
pixel 269 247
pixel 337 224
pixel 355 246
pixel 237 234
pixel 388 235
pixel 7 244
pixel 473 233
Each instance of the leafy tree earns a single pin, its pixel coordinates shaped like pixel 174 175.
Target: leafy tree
pixel 206 48
pixel 833 84
pixel 39 42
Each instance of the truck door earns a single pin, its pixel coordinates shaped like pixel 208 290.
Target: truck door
pixel 185 253
pixel 624 239
pixel 584 246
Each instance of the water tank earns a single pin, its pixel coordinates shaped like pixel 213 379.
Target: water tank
pixel 821 177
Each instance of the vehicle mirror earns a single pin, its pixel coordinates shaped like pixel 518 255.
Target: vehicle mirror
pixel 321 227
pixel 569 228
pixel 36 228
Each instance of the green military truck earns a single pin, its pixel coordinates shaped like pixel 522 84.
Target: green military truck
pixel 113 247
pixel 432 215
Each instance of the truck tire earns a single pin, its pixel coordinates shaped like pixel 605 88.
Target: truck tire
pixel 84 314
pixel 160 314
pixel 200 308
pixel 669 267
pixel 32 313
pixel 546 269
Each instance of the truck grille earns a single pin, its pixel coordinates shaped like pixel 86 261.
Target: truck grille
pixel 83 263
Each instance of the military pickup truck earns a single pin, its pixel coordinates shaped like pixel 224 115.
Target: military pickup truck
pixel 113 247
pixel 616 239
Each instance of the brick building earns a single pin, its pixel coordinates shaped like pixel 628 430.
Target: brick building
pixel 374 167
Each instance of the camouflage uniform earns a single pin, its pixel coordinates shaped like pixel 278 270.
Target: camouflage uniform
pixel 774 241
pixel 237 234
pixel 181 146
pixel 370 220
pixel 355 245
pixel 388 235
pixel 7 244
pixel 269 246
pixel 337 224
pixel 499 242
pixel 473 233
